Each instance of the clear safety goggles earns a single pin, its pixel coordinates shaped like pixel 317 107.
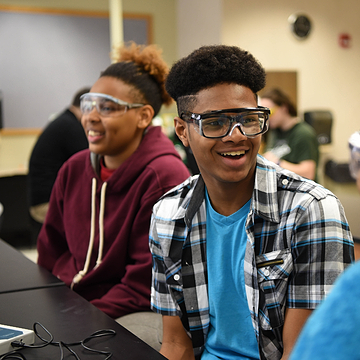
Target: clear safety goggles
pixel 105 105
pixel 220 123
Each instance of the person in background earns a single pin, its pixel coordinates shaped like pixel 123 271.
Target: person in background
pixel 354 165
pixel 291 143
pixel 95 236
pixel 62 137
pixel 243 252
pixel 332 331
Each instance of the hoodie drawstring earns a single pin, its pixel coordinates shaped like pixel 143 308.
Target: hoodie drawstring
pixel 101 225
pixel 77 278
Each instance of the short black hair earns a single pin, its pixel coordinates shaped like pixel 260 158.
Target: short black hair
pixel 212 65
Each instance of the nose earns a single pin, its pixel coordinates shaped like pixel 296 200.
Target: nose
pixel 235 136
pixel 236 125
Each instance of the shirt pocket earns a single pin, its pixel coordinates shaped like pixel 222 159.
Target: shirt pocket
pixel 273 271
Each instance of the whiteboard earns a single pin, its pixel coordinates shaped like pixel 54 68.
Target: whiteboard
pixel 46 58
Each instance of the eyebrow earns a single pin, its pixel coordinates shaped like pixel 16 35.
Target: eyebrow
pixel 207 111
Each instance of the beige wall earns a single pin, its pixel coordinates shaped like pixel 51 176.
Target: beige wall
pixel 198 23
pixel 328 76
pixel 15 150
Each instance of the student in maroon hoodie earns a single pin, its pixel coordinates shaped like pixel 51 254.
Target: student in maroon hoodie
pixel 95 236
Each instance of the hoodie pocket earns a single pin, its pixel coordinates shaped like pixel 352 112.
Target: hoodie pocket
pixel 273 271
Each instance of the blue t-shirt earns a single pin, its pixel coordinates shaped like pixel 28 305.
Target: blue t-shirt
pixel 231 334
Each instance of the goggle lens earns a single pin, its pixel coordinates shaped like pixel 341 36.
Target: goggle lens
pixel 251 123
pixel 105 105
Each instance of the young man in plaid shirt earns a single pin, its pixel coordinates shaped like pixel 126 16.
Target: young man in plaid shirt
pixel 245 251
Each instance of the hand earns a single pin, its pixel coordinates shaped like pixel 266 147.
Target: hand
pixel 270 156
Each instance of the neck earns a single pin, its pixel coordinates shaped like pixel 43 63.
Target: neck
pixel 228 199
pixel 116 160
pixel 289 123
pixel 76 111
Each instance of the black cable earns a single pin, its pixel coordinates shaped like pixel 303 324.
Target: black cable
pixel 97 334
pixel 14 354
pixel 61 345
pixel 46 342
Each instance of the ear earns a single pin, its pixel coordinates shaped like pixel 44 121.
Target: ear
pixel 182 130
pixel 146 114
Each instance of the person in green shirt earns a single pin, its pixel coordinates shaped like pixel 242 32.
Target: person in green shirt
pixel 291 142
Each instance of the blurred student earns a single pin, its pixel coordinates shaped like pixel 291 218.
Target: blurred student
pixel 354 166
pixel 95 236
pixel 62 137
pixel 291 143
pixel 333 330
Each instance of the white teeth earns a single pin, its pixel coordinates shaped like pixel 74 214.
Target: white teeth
pixel 93 133
pixel 234 153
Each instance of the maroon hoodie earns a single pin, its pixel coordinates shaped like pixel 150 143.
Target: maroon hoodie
pixel 116 274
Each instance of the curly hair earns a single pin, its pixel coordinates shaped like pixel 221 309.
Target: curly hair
pixel 279 98
pixel 143 68
pixel 212 65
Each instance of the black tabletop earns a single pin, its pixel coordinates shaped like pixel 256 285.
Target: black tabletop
pixel 70 319
pixel 18 273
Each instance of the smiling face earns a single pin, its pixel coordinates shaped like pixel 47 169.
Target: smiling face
pixel 116 137
pixel 230 160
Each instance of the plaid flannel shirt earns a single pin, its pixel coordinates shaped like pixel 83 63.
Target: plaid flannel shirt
pixel 298 243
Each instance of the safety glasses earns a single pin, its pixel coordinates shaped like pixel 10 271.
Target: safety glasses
pixel 217 124
pixel 105 105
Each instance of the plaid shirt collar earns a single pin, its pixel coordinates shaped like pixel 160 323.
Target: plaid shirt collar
pixel 265 186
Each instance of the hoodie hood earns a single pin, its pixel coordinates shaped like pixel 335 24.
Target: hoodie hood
pixel 153 145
